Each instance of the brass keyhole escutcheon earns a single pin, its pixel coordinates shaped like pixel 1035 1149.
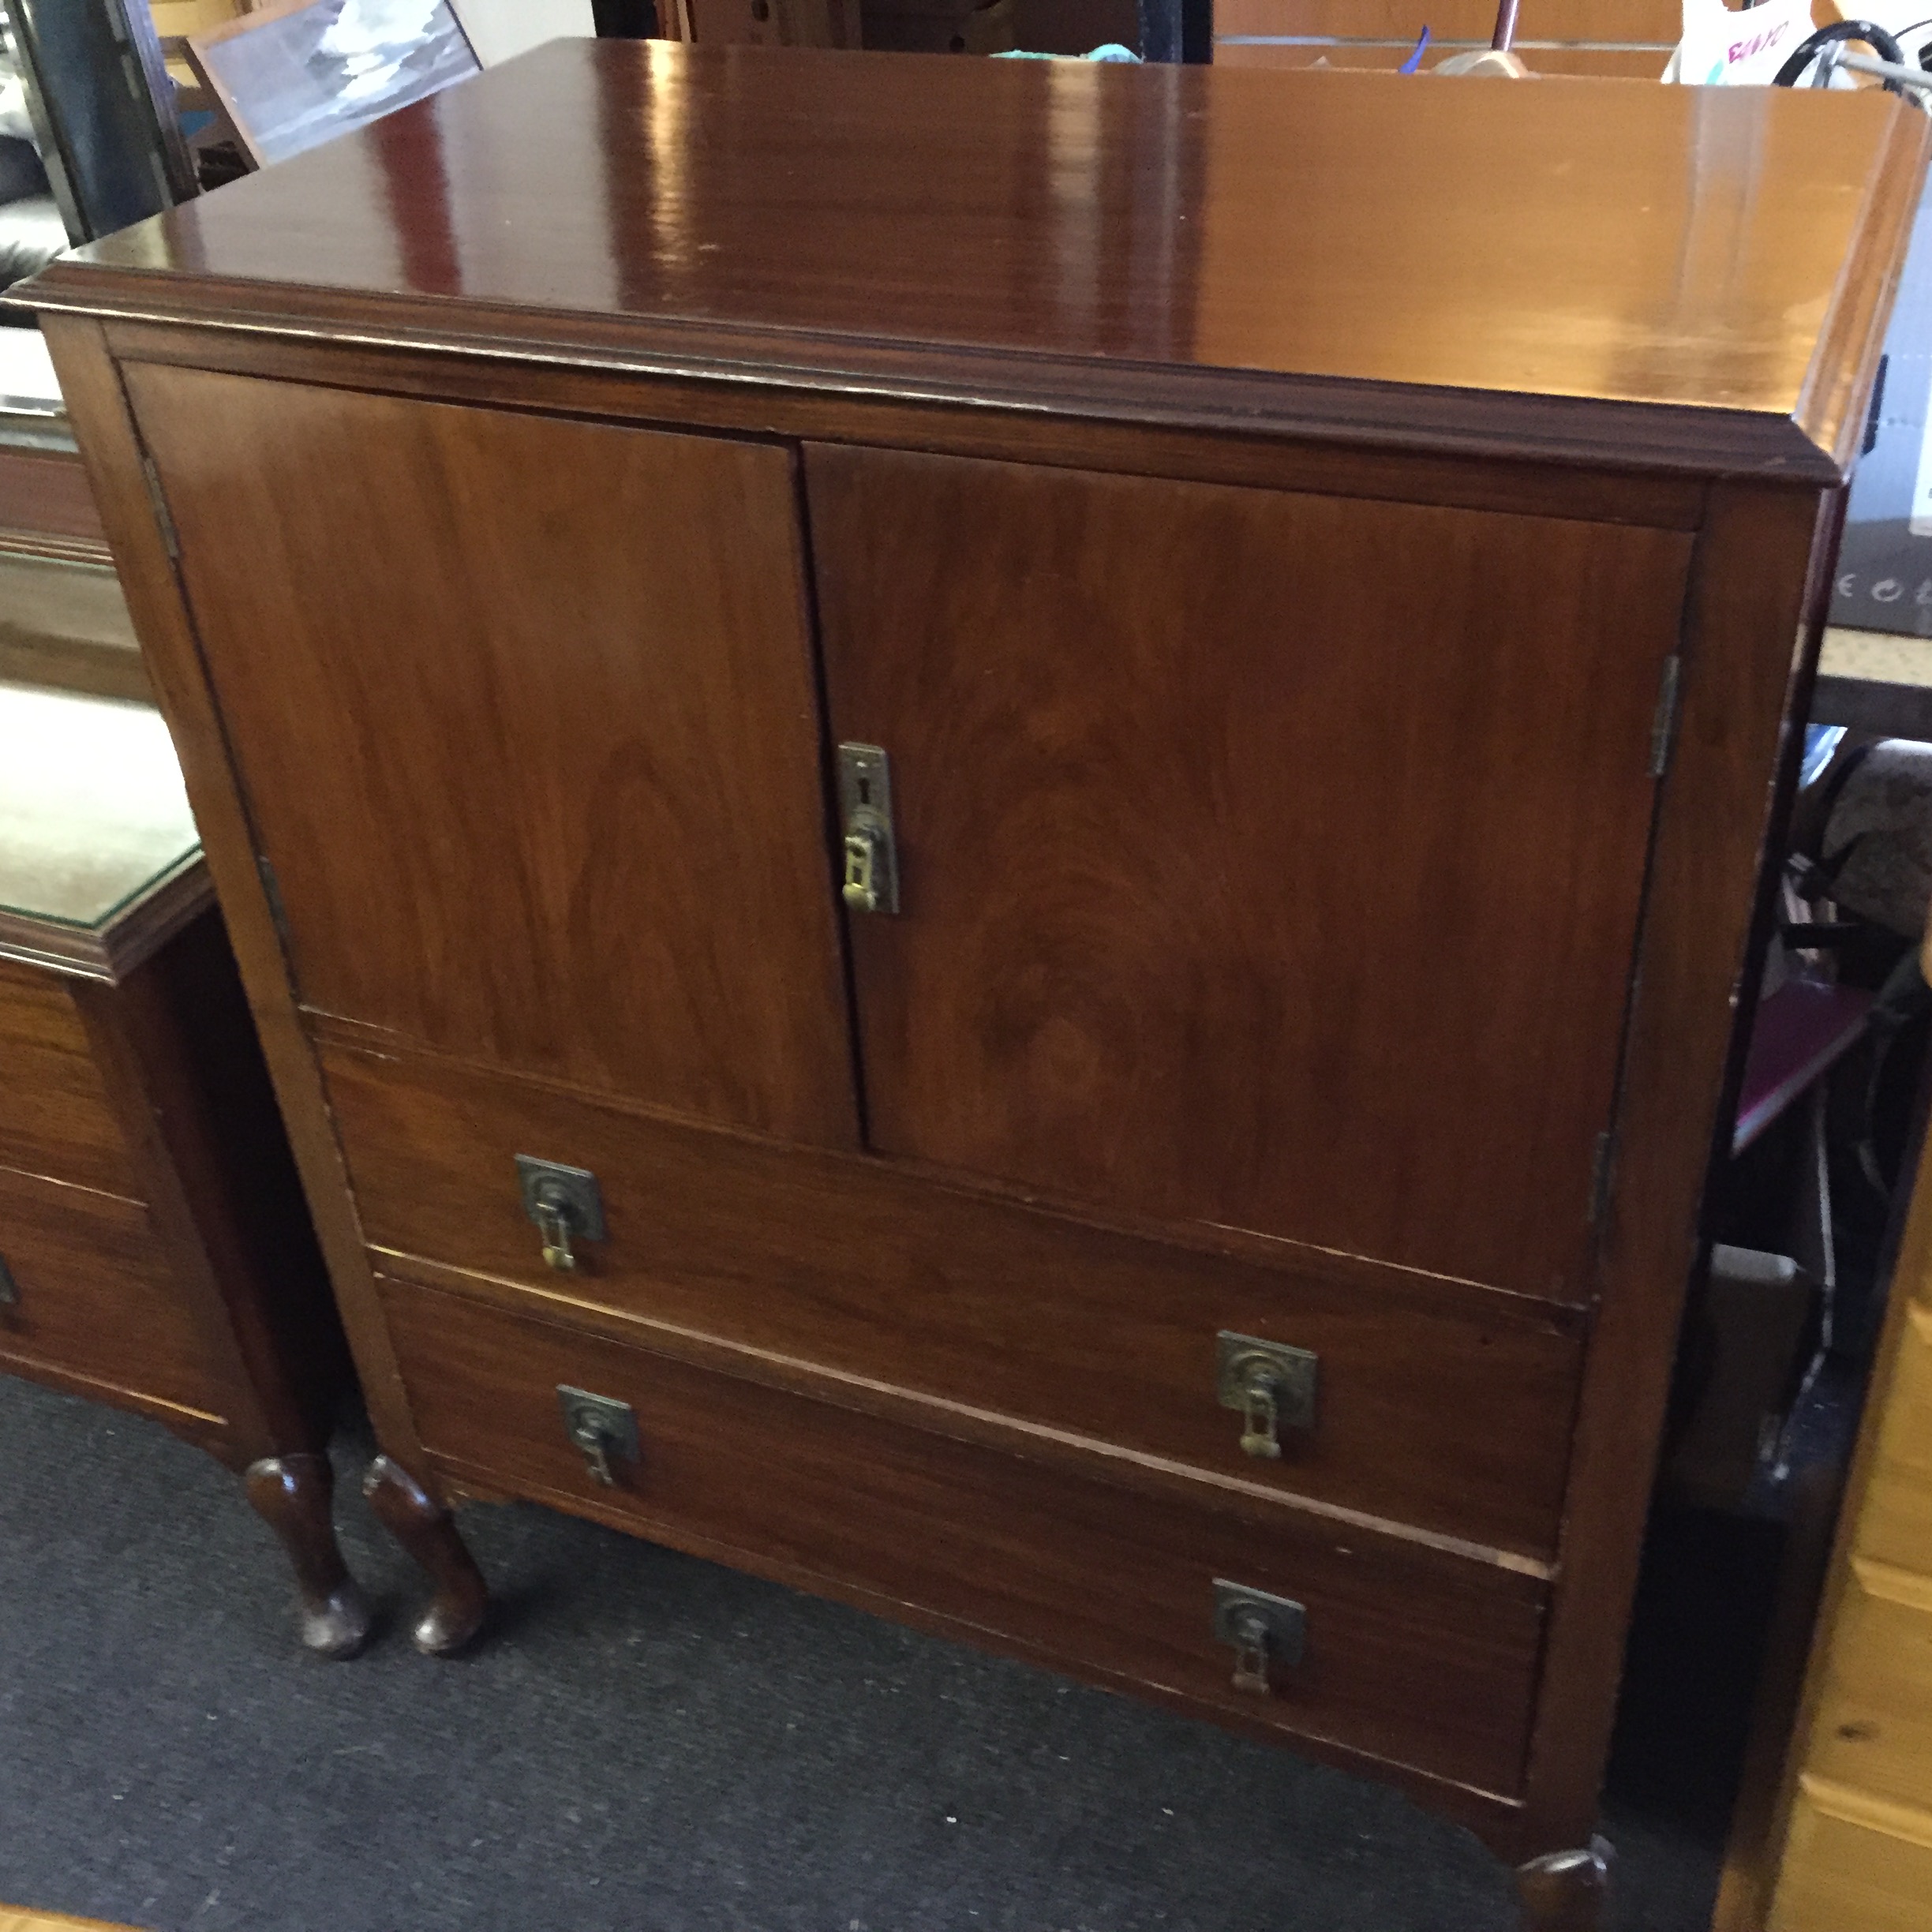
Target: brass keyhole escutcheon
pixel 869 880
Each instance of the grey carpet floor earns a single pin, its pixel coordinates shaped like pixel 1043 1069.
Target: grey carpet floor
pixel 650 1743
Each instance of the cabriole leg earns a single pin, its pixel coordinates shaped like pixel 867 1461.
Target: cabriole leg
pixel 427 1531
pixel 1566 1891
pixel 292 1494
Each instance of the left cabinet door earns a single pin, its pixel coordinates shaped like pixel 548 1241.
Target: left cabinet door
pixel 523 711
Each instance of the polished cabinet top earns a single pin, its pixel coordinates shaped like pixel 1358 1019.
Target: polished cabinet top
pixel 95 829
pixel 1689 276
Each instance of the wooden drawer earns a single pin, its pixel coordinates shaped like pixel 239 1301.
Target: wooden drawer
pixel 1411 1655
pixel 55 1117
pixel 93 1299
pixel 1851 1866
pixel 1873 1729
pixel 1438 1404
pixel 1895 1526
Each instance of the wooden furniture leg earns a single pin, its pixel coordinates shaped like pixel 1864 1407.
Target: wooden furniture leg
pixel 427 1531
pixel 292 1494
pixel 1566 1891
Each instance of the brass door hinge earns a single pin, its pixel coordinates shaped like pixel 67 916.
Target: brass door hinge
pixel 1599 1179
pixel 271 888
pixel 163 516
pixel 1663 721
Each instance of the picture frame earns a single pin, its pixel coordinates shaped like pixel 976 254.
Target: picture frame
pixel 294 73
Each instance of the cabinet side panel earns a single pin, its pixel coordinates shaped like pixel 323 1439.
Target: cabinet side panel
pixel 1756 612
pixel 523 710
pixel 90 382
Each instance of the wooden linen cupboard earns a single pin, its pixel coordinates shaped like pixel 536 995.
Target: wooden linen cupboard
pixel 995 824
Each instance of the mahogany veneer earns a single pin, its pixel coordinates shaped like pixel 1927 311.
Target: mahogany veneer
pixel 1330 560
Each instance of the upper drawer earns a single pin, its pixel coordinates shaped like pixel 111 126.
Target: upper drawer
pixel 55 1117
pixel 93 1297
pixel 1266 859
pixel 1437 1405
pixel 1413 1657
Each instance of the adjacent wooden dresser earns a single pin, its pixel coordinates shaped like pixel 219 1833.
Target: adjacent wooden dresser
pixel 1856 1855
pixel 155 1251
pixel 996 825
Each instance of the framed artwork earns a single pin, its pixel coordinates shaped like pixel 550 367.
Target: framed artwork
pixel 292 75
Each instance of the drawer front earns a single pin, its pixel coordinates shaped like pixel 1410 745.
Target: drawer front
pixel 1895 1524
pixel 1848 1867
pixel 1436 1405
pixel 1411 1655
pixel 1873 1729
pixel 90 1294
pixel 55 1117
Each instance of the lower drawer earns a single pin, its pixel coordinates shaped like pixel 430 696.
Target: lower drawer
pixel 55 1117
pixel 89 1294
pixel 1435 1403
pixel 1411 1655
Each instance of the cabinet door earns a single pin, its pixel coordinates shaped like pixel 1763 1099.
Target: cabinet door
pixel 524 711
pixel 1266 860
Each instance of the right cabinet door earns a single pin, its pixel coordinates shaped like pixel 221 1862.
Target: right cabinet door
pixel 1266 860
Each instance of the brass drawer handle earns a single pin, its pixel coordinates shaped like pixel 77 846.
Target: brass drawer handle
pixel 566 1204
pixel 602 1427
pixel 1270 1385
pixel 1266 1633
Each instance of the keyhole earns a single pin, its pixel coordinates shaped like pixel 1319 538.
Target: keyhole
pixel 865 791
pixel 760 10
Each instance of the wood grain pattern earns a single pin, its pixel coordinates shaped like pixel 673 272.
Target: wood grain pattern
pixel 1424 1660
pixel 1200 806
pixel 1333 467
pixel 849 1266
pixel 1761 577
pixel 1111 274
pixel 181 1065
pixel 1875 1728
pixel 608 861
pixel 1848 1844
pixel 55 1117
pixel 44 494
pixel 1632 307
pixel 1896 1506
pixel 1851 1868
pixel 95 1295
pixel 91 387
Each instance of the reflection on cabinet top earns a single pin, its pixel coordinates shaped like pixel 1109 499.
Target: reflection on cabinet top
pixel 99 859
pixel 1630 275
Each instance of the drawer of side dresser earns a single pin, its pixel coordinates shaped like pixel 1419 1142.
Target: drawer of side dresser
pixel 55 1117
pixel 1435 1404
pixel 88 1294
pixel 1411 1655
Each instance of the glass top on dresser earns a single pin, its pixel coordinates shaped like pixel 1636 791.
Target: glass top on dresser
pixel 91 808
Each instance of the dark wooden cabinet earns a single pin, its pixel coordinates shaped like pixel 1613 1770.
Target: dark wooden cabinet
pixel 155 1250
pixel 990 873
